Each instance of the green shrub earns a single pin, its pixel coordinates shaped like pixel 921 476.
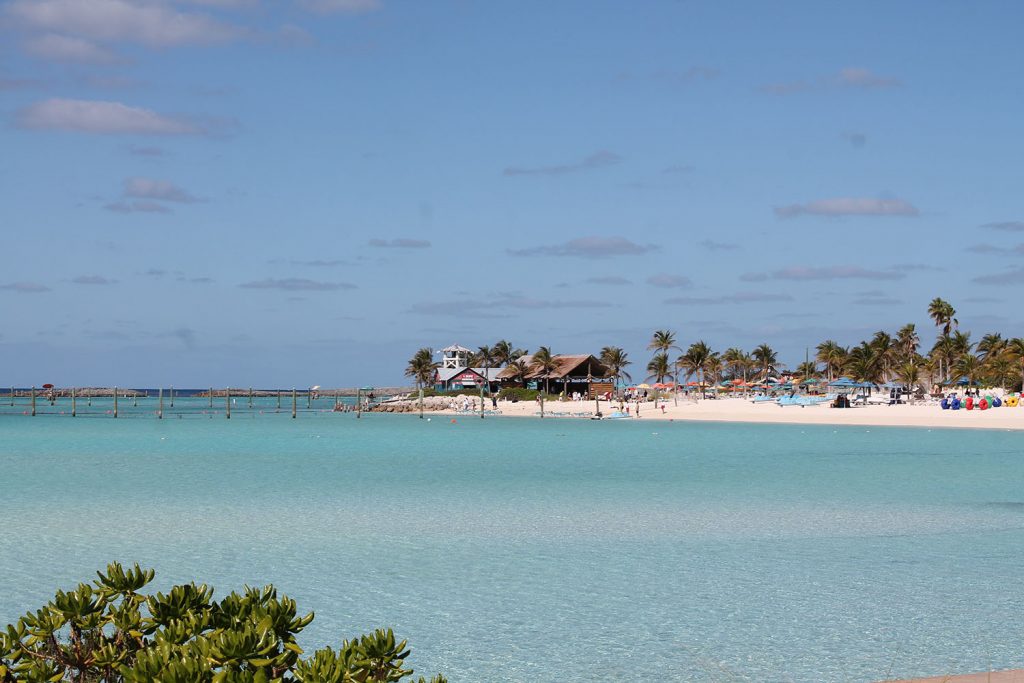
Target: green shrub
pixel 523 394
pixel 108 632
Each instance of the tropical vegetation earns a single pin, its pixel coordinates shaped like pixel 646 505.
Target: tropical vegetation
pixel 109 631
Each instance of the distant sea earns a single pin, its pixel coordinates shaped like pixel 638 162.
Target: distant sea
pixel 529 550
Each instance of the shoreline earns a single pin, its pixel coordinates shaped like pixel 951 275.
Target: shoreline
pixel 741 410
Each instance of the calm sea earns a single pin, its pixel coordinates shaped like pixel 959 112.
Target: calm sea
pixel 528 550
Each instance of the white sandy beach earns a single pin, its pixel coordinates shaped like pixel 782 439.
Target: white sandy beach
pixel 743 410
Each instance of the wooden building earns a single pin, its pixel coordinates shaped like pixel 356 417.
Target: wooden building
pixel 585 374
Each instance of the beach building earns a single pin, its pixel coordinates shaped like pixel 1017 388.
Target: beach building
pixel 456 374
pixel 572 373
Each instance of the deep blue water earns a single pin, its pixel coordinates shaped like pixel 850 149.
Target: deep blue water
pixel 528 550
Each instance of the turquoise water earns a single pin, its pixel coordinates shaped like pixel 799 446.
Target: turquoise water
pixel 527 550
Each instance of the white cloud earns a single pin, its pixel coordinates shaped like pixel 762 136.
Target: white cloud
pixel 93 280
pixel 136 207
pixel 163 190
pixel 97 116
pixel 849 206
pixel 596 160
pixel 295 284
pixel 824 273
pixel 400 243
pixel 588 247
pixel 60 48
pixel 669 281
pixel 339 6
pixel 154 24
pixel 25 287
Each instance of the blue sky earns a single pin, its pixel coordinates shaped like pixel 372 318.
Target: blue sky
pixel 297 192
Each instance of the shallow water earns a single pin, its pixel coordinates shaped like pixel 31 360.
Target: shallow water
pixel 527 550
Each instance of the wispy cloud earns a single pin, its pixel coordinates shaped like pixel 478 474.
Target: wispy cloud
pixel 152 24
pixel 93 280
pixel 25 287
pixel 96 116
pixel 824 273
pixel 60 48
pixel 151 188
pixel 1014 276
pixel 913 267
pixel 598 159
pixel 588 247
pixel 136 207
pixel 1009 226
pixel 994 250
pixel 322 263
pixel 857 140
pixel 850 77
pixel 480 308
pixel 739 298
pixel 339 6
pixel 669 281
pixel 612 280
pixel 400 243
pixel 297 284
pixel 712 245
pixel 848 206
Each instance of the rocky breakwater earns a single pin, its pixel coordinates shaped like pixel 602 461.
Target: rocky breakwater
pixel 412 405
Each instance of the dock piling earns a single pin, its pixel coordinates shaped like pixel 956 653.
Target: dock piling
pixel 250 398
pixel 227 403
pixel 74 403
pixel 115 401
pixel 160 408
pixel 172 397
pixel 33 401
pixel 295 403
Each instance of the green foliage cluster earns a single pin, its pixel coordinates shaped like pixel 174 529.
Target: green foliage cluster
pixel 455 392
pixel 109 632
pixel 523 394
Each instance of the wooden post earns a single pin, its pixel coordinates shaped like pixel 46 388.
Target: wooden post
pixel 160 409
pixel 421 403
pixel 359 403
pixel 33 401
pixel 135 399
pixel 250 398
pixel 279 399
pixel 542 406
pixel 211 397
pixel 115 401
pixel 172 397
pixel 295 403
pixel 482 401
pixel 12 396
pixel 309 399
pixel 227 403
pixel 74 404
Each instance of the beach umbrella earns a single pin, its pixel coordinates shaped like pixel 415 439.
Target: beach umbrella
pixel 843 382
pixel 47 386
pixel 645 385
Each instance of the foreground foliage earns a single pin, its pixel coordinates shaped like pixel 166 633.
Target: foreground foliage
pixel 110 632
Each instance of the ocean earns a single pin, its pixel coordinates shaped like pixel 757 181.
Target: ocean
pixel 555 550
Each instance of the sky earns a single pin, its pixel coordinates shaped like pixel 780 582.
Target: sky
pixel 288 193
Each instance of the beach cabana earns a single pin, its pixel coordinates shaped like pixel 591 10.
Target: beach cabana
pixel 576 373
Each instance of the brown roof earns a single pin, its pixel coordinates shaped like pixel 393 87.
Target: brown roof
pixel 566 366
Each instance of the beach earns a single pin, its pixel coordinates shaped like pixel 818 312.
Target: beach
pixel 744 410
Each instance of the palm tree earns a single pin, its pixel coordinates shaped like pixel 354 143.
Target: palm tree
pixel 883 345
pixel 659 367
pixel 546 363
pixel 519 370
pixel 485 358
pixel 943 313
pixel 615 359
pixel 663 341
pixel 696 361
pixel 808 369
pixel 991 345
pixel 767 360
pixel 907 341
pixel 1015 349
pixel 421 367
pixel 909 373
pixel 865 363
pixel 832 356
pixel 502 351
pixel 968 367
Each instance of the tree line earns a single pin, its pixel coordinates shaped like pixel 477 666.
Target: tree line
pixel 993 360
